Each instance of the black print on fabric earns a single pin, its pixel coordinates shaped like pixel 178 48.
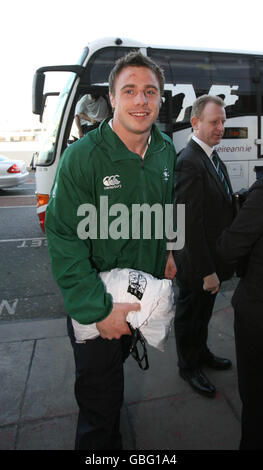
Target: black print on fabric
pixel 137 284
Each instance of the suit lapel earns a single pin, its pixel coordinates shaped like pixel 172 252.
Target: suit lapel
pixel 211 169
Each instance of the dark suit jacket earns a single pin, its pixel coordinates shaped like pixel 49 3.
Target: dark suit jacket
pixel 245 237
pixel 208 210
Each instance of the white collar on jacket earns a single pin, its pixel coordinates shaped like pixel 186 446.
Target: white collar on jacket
pixel 148 141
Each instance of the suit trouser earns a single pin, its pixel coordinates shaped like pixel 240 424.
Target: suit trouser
pixel 193 311
pixel 249 354
pixel 99 386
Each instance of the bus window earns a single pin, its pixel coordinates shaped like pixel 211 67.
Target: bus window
pixel 197 73
pixel 169 112
pixel 235 133
pixel 187 75
pixel 101 63
pixel 235 74
pixel 185 67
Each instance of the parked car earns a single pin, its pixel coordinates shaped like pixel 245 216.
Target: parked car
pixel 12 172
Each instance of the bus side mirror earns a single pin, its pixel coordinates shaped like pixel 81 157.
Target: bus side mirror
pixel 39 82
pixel 37 93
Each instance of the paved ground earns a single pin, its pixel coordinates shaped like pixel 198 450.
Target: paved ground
pixel 38 409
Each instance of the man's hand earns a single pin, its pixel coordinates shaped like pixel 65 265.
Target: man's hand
pixel 211 283
pixel 115 324
pixel 85 117
pixel 170 267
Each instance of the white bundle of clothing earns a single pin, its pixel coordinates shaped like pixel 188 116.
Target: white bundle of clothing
pixel 155 296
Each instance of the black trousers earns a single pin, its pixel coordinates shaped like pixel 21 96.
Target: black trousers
pixel 248 327
pixel 99 386
pixel 194 308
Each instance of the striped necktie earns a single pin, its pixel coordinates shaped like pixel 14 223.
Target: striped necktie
pixel 220 173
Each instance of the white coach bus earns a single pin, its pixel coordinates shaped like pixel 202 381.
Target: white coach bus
pixel 235 76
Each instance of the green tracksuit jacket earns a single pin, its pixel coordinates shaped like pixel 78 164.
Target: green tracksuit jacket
pixel 99 177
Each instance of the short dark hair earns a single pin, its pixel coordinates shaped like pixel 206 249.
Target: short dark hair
pixel 135 59
pixel 95 96
pixel 201 102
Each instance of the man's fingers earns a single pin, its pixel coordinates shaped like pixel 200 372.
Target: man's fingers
pixel 127 307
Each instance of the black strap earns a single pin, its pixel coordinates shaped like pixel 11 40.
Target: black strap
pixel 137 337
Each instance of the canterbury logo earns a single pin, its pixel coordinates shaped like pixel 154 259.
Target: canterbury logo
pixel 111 182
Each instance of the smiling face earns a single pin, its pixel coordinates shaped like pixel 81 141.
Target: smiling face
pixel 209 127
pixel 136 101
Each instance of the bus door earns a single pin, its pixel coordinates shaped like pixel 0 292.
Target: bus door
pixel 72 133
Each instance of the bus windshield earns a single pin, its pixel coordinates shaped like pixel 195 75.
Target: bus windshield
pixel 53 120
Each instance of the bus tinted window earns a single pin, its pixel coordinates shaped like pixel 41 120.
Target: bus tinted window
pixel 184 67
pixel 236 72
pixel 102 62
pixel 192 74
pixel 235 133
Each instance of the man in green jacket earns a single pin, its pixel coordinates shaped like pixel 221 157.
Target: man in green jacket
pixel 92 225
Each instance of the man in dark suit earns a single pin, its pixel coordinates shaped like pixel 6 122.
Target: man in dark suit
pixel 243 242
pixel 203 185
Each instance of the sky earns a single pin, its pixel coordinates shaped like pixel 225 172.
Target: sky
pixel 54 32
